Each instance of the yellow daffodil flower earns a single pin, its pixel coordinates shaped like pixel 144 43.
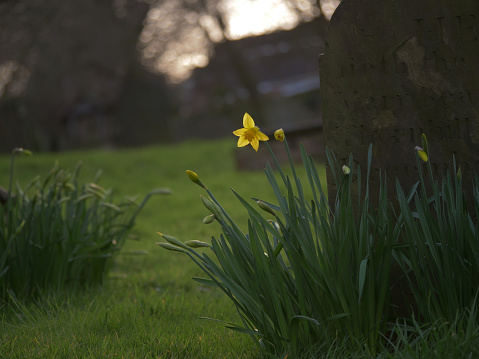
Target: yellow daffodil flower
pixel 250 134
pixel 279 135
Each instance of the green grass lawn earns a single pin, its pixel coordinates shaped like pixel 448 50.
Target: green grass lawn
pixel 150 306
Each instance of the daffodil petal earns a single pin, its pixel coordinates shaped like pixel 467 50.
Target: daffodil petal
pixel 261 136
pixel 240 132
pixel 255 144
pixel 242 142
pixel 248 121
pixel 423 155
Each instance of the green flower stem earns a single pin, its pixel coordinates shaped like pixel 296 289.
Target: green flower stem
pixel 278 166
pixel 290 158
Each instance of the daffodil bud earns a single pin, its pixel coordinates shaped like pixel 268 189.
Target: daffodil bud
pixel 209 219
pixel 424 144
pixel 346 170
pixel 279 135
pixel 171 247
pixel 208 204
pixel 459 174
pixel 21 150
pixel 265 207
pixel 194 178
pixel 274 224
pixel 197 244
pixel 69 186
pixel 422 154
pixel 214 208
pixel 173 240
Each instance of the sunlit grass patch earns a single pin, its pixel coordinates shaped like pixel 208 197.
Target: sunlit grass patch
pixel 149 300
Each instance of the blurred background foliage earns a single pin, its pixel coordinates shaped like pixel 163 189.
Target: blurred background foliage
pixel 93 73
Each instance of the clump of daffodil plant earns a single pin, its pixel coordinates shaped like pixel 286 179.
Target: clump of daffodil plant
pixel 307 272
pixel 303 272
pixel 59 233
pixel 441 260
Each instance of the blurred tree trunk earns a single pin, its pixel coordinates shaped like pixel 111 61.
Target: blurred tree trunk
pixel 63 68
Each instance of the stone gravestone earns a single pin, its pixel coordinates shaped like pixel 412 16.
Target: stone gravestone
pixel 392 70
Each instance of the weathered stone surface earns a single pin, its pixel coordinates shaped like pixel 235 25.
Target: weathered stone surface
pixel 392 70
